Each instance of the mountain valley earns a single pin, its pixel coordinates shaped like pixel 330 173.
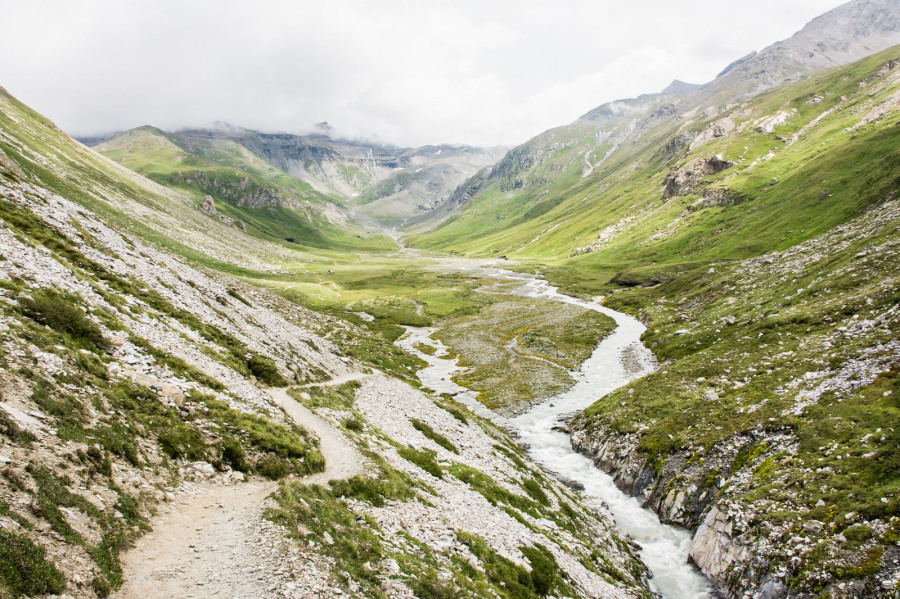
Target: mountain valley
pixel 215 346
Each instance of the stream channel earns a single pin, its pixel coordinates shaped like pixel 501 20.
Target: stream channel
pixel 617 360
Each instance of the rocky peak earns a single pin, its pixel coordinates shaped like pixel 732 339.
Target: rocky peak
pixel 849 32
pixel 677 88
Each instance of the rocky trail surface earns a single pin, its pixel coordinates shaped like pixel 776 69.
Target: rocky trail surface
pixel 213 541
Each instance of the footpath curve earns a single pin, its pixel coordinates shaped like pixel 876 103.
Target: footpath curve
pixel 213 541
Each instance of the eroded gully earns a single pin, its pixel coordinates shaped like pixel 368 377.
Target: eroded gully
pixel 618 359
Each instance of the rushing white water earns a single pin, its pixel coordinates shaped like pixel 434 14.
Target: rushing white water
pixel 618 359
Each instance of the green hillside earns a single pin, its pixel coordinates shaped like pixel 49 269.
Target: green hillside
pixel 807 174
pixel 272 205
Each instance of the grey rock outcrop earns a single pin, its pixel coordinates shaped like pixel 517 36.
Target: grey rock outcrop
pixel 713 549
pixel 208 207
pixel 687 178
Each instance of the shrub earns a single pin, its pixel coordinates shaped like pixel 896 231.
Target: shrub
pixel 264 369
pixel 272 467
pixel 181 441
pixel 857 535
pixel 430 587
pixel 233 454
pixel 24 569
pixel 61 312
pixel 353 424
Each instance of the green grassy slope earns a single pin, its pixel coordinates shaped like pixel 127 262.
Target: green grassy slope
pixel 42 154
pixel 618 214
pixel 273 205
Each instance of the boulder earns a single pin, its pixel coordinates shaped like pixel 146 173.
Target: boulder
pixel 208 206
pixel 713 549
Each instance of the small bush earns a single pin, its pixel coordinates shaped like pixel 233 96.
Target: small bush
pixel 272 467
pixel 233 454
pixel 181 441
pixel 353 424
pixel 430 587
pixel 423 459
pixel 265 370
pixel 24 569
pixel 61 312
pixel 435 436
pixel 857 535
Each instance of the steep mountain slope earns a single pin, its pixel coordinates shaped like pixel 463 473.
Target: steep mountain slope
pixel 388 184
pixel 241 188
pixel 846 34
pixel 34 147
pixel 130 377
pixel 609 163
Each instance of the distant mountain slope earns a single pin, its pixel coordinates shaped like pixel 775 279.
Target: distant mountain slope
pixel 387 184
pixel 242 189
pixel 846 34
pixel 34 147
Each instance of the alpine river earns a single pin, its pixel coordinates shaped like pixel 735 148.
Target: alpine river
pixel 617 360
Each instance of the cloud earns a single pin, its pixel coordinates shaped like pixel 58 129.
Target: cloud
pixel 401 71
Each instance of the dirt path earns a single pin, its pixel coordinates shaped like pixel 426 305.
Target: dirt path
pixel 212 541
pixel 342 459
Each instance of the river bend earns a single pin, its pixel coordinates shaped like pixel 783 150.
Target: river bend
pixel 617 360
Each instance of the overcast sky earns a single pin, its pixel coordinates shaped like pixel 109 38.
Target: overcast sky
pixel 405 72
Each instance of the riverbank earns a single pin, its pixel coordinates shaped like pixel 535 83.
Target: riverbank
pixel 618 359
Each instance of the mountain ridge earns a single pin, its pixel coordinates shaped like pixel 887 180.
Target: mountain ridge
pixel 392 184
